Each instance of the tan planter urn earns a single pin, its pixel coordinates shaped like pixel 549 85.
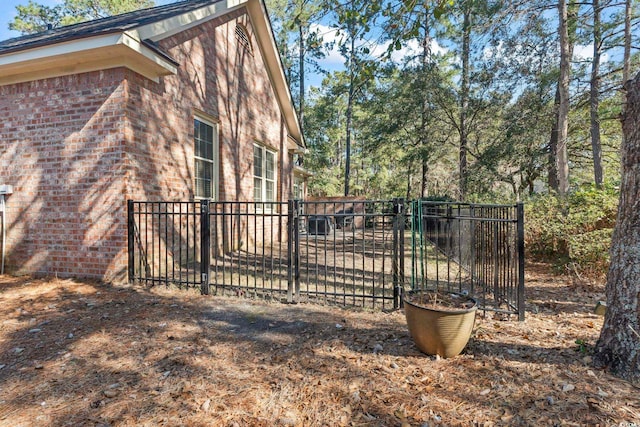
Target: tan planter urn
pixel 440 328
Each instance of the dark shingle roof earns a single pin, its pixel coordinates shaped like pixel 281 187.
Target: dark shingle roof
pixel 112 24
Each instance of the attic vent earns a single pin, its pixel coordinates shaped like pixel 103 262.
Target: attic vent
pixel 243 38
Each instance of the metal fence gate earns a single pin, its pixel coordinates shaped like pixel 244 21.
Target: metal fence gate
pixel 353 252
pixel 473 249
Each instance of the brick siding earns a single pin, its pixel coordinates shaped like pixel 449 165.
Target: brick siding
pixel 75 148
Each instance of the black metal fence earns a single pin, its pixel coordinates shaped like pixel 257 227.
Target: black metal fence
pixel 351 252
pixel 474 249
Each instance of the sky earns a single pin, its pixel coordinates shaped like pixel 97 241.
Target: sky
pixel 8 12
pixel 333 61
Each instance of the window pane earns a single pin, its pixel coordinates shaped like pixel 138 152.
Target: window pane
pixel 257 189
pixel 204 178
pixel 209 150
pixel 257 161
pixel 269 196
pixel 199 150
pixel 203 188
pixel 208 133
pixel 270 165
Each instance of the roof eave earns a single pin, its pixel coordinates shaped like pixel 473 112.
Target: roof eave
pixel 85 54
pixel 167 27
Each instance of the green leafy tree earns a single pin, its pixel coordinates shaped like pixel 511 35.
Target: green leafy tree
pixel 300 43
pixel 406 131
pixel 324 135
pixel 353 25
pixel 34 17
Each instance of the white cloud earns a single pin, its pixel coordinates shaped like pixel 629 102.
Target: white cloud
pixel 335 59
pixel 585 53
pixel 409 49
pixel 329 35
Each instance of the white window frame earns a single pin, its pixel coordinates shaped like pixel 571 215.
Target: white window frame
pixel 213 161
pixel 298 187
pixel 263 179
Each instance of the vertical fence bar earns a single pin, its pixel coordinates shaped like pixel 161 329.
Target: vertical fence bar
pixel 173 244
pixel 296 248
pixel 472 249
pixel 396 253
pixel 205 247
pixel 495 263
pixel 520 218
pixel 400 288
pixel 291 236
pixel 130 244
pixel 139 222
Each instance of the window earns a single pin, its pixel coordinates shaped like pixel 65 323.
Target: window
pixel 205 136
pixel 298 188
pixel 264 174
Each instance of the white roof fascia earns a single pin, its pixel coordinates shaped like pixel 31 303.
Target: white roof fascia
pixel 54 60
pixel 51 50
pixel 170 26
pixel 135 44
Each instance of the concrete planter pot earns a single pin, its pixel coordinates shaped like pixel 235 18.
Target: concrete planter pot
pixel 440 331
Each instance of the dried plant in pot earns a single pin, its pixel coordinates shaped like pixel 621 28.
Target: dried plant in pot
pixel 440 323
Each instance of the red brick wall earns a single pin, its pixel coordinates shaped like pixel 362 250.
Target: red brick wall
pixel 75 148
pixel 218 78
pixel 61 147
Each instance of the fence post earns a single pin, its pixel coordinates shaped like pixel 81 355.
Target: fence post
pixel 130 241
pixel 398 251
pixel 472 247
pixel 205 247
pixel 402 214
pixel 520 214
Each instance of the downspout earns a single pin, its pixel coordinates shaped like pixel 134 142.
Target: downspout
pixel 5 190
pixel 4 234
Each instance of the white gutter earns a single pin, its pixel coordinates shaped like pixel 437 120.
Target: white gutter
pixel 4 231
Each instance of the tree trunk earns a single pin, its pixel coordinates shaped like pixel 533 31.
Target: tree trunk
pixel 425 58
pixel 562 159
pixel 594 97
pixel 301 52
pixel 423 184
pixel 409 172
pixel 626 69
pixel 349 112
pixel 464 99
pixel 552 174
pixel 618 347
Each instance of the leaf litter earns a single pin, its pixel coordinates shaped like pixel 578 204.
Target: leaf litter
pixel 108 355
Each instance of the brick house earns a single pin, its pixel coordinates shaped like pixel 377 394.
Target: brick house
pixel 177 102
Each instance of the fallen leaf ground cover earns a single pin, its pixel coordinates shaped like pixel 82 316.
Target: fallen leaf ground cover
pixel 86 353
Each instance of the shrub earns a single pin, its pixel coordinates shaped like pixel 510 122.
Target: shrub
pixel 574 231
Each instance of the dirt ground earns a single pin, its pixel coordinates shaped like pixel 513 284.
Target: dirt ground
pixel 81 353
